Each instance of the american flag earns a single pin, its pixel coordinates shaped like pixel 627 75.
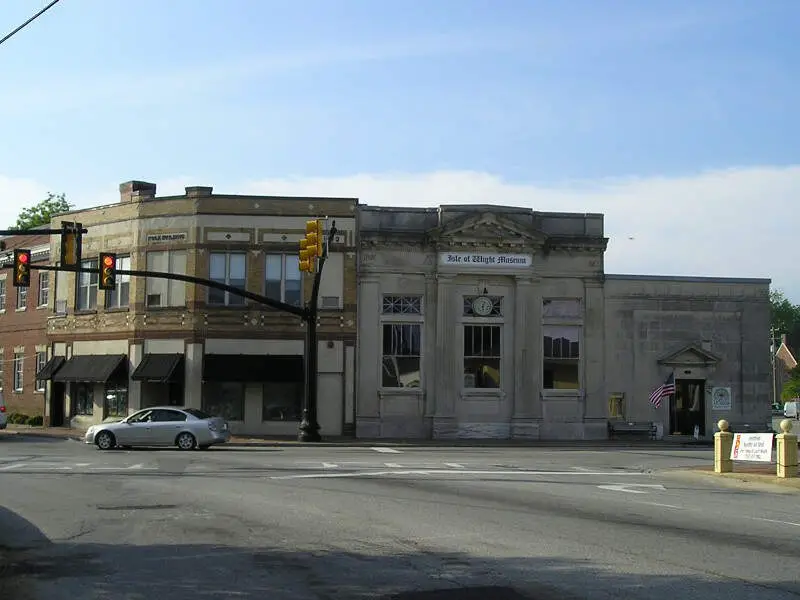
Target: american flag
pixel 665 389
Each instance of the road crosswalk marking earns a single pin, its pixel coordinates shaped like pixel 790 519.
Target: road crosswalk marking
pixel 386 450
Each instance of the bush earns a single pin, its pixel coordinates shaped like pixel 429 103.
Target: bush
pixel 36 421
pixel 20 419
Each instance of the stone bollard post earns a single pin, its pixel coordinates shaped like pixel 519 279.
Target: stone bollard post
pixel 787 451
pixel 723 444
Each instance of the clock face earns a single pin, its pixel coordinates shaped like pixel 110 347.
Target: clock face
pixel 482 306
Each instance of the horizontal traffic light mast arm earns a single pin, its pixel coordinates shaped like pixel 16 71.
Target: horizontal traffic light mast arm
pixel 277 305
pixel 37 231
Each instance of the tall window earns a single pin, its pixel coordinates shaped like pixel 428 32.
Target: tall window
pixel 83 402
pixel 2 294
pixel 562 321
pixel 22 298
pixel 283 278
pixel 229 268
pixel 561 356
pixel 224 399
pixel 44 288
pixel 163 292
pixel 119 297
pixel 401 329
pixel 87 287
pixel 19 365
pixel 482 356
pixel 116 400
pixel 2 373
pixel 41 360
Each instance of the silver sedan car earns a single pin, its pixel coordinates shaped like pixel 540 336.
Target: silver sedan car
pixel 186 428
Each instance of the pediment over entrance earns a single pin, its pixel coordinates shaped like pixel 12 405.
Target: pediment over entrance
pixel 690 355
pixel 486 229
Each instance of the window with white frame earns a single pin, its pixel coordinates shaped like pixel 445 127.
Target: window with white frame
pixel 119 297
pixel 87 287
pixel 44 288
pixel 41 361
pixel 2 294
pixel 284 281
pixel 562 330
pixel 19 365
pixel 161 293
pixel 2 371
pixel 22 298
pixel 401 330
pixel 483 354
pixel 229 268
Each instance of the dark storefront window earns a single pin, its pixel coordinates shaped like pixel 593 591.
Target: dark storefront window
pixel 83 400
pixel 224 399
pixel 116 400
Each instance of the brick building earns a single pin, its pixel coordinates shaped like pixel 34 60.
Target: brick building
pixel 23 319
pixel 153 341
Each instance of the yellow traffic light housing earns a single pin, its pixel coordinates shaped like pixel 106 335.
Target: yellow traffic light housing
pixel 314 235
pixel 22 268
pixel 311 246
pixel 108 271
pixel 70 245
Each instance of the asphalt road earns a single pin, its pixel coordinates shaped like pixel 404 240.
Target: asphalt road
pixel 334 523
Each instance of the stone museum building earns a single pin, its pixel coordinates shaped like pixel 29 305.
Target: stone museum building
pixel 499 322
pixel 154 341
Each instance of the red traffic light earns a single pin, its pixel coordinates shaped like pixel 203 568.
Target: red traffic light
pixel 108 261
pixel 22 257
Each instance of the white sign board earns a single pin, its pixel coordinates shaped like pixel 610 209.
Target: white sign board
pixel 721 398
pixel 753 447
pixel 162 238
pixel 484 260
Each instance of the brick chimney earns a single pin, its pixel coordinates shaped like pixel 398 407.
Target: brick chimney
pixel 198 191
pixel 136 191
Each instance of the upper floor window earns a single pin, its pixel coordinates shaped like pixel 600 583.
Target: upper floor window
pixel 229 268
pixel 284 282
pixel 402 305
pixel 2 294
pixel 41 361
pixel 19 364
pixel 119 297
pixel 87 287
pixel 22 298
pixel 44 288
pixel 165 292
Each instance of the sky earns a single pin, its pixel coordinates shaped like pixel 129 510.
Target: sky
pixel 677 119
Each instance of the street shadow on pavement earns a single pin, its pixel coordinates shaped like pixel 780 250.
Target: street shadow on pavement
pixel 36 569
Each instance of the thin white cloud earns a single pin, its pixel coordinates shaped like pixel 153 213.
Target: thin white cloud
pixel 729 223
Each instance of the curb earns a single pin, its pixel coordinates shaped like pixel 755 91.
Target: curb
pixel 764 481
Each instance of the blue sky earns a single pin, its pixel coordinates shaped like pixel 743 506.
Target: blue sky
pixel 649 111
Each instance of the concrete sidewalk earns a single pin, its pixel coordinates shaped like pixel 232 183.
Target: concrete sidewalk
pixel 77 434
pixel 761 476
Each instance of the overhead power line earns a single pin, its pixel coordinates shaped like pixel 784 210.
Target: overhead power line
pixel 29 21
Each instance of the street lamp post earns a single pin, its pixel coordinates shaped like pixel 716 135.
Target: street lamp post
pixel 309 427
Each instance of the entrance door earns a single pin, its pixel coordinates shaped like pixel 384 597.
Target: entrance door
pixel 687 407
pixel 57 393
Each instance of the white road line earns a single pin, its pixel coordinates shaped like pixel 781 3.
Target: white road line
pixel 454 465
pixel 659 504
pixel 631 488
pixel 393 465
pixel 329 466
pixel 776 521
pixel 447 472
pixel 385 450
pixel 13 466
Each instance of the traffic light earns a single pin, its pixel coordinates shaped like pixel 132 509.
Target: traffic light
pixel 70 245
pixel 108 271
pixel 22 268
pixel 311 246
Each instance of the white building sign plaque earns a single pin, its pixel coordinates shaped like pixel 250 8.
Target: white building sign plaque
pixel 490 260
pixel 721 398
pixel 162 238
pixel 752 447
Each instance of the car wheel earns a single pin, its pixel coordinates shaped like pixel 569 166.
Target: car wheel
pixel 105 440
pixel 185 441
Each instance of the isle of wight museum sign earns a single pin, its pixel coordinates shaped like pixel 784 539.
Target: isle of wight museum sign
pixel 484 260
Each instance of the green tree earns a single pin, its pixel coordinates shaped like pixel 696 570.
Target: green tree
pixel 41 213
pixel 785 316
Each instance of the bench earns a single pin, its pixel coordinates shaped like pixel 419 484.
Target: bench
pixel 616 428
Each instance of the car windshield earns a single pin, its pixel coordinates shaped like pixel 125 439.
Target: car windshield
pixel 197 413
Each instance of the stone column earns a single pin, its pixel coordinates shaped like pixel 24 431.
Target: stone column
pixel 723 444
pixel 595 402
pixel 447 358
pixel 429 356
pixel 787 451
pixel 193 376
pixel 524 361
pixel 135 354
pixel 368 356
